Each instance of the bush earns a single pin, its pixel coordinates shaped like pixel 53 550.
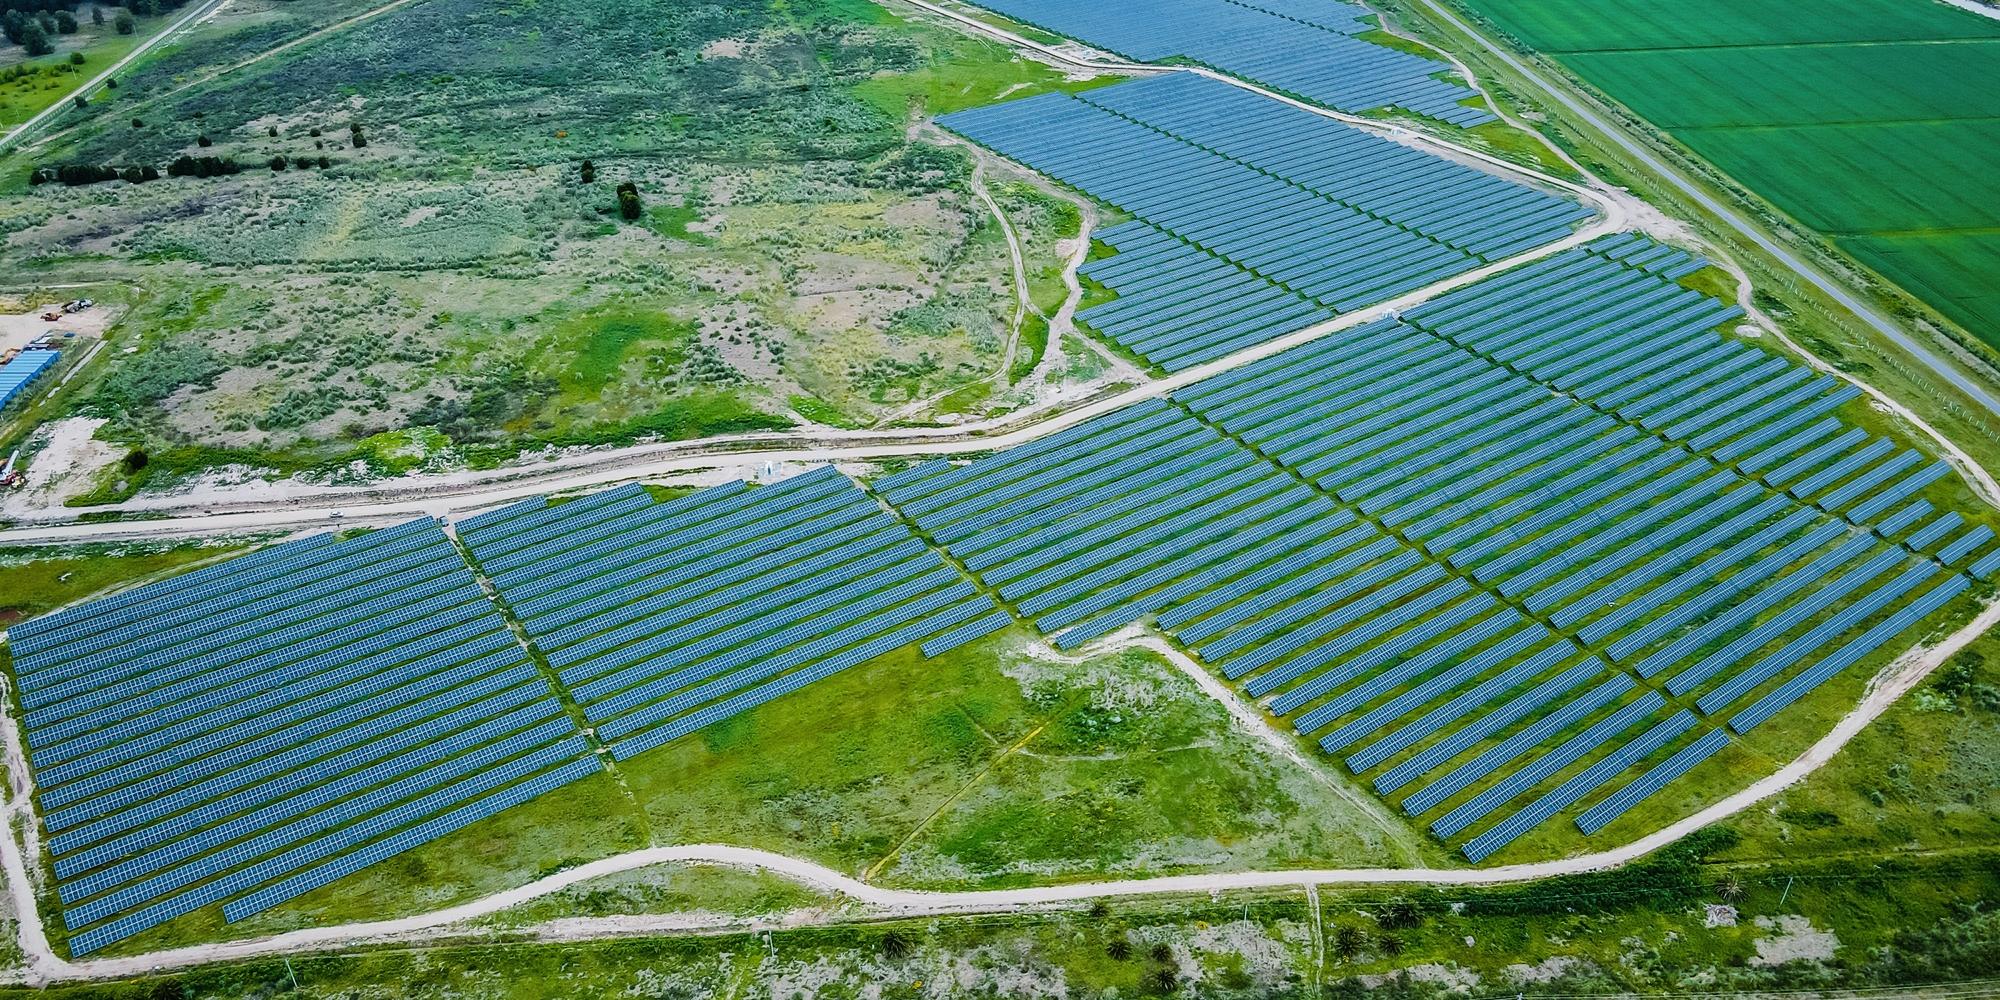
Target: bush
pixel 124 23
pixel 629 204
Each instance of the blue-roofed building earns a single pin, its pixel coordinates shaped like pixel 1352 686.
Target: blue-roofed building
pixel 16 375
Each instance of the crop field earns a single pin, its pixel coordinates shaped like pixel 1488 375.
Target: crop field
pixel 1311 49
pixel 1255 218
pixel 1871 121
pixel 1543 543
pixel 460 285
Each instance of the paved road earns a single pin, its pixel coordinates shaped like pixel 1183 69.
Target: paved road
pixel 1736 220
pixel 195 13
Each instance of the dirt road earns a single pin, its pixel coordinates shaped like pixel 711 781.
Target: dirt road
pixel 1892 683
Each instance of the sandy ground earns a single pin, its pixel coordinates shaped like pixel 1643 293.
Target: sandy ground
pixel 19 329
pixel 65 465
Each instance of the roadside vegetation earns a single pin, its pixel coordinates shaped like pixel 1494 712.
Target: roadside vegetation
pixel 369 254
pixel 1679 924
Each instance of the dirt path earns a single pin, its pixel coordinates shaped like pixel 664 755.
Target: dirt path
pixel 471 491
pixel 244 64
pixel 26 128
pixel 1890 684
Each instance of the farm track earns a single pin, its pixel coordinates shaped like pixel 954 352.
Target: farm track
pixel 27 128
pixel 881 903
pixel 875 902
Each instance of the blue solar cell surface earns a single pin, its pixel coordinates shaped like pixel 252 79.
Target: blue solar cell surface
pixel 1307 49
pixel 661 617
pixel 220 736
pixel 1255 218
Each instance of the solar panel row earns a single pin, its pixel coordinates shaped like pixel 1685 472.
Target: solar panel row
pixel 662 616
pixel 1309 50
pixel 1254 217
pixel 224 731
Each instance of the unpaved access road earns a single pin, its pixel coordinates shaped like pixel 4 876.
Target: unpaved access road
pixel 880 902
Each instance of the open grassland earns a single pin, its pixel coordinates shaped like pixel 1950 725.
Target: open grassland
pixel 37 581
pixel 1871 121
pixel 441 275
pixel 991 766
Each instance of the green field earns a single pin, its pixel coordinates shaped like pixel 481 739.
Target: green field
pixel 441 255
pixel 1874 122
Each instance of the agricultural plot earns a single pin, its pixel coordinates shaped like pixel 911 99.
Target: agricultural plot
pixel 663 618
pixel 1307 49
pixel 248 732
pixel 1561 539
pixel 1255 218
pixel 1871 122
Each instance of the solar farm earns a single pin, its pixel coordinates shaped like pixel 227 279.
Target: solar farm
pixel 1520 571
pixel 246 733
pixel 1253 218
pixel 1503 561
pixel 1304 48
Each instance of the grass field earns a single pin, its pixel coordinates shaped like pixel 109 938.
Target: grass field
pixel 1873 122
pixel 465 269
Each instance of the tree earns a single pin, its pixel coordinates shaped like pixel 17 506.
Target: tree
pixel 35 39
pixel 1349 941
pixel 77 59
pixel 587 172
pixel 97 15
pixel 896 947
pixel 629 205
pixel 1730 888
pixel 124 22
pixel 278 162
pixel 65 23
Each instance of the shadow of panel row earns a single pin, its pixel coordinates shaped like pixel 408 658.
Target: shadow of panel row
pixel 1256 218
pixel 662 617
pixel 250 731
pixel 1307 49
pixel 1350 633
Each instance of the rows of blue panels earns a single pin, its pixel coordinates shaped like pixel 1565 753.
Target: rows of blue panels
pixel 1458 205
pixel 662 617
pixel 1304 49
pixel 224 733
pixel 1334 254
pixel 1477 430
pixel 1344 629
pixel 23 369
pixel 1256 218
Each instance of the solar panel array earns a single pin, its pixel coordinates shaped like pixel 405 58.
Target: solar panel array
pixel 23 369
pixel 1532 529
pixel 1255 218
pixel 248 732
pixel 664 617
pixel 1307 49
